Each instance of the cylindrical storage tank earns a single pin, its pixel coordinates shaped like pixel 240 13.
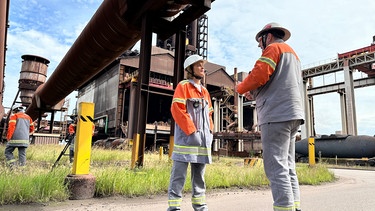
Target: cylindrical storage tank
pixel 26 96
pixel 33 74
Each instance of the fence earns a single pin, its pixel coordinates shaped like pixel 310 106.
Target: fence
pixel 45 138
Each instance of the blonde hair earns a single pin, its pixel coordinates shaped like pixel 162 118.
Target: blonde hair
pixel 189 72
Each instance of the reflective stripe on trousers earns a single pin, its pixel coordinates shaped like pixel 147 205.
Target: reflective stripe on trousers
pixel 294 208
pixel 174 202
pixel 276 208
pixel 177 182
pixel 191 150
pixel 198 200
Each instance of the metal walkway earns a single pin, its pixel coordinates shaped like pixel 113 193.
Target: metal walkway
pixel 363 60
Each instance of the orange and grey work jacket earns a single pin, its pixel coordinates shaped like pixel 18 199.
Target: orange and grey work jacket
pixel 276 84
pixel 19 129
pixel 192 111
pixel 72 129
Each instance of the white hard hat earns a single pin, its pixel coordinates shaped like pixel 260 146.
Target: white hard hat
pixel 18 108
pixel 274 27
pixel 192 59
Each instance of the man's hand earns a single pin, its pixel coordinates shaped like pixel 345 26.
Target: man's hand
pixel 249 96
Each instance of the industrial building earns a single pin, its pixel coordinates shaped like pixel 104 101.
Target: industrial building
pixel 132 91
pixel 112 92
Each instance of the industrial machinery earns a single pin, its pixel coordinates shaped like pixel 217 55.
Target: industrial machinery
pixel 349 145
pixel 341 146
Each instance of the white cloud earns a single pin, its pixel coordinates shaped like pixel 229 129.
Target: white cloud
pixel 320 30
pixel 43 28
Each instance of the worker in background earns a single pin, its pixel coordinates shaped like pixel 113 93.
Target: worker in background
pixel 71 138
pixel 72 135
pixel 192 111
pixel 275 83
pixel 20 127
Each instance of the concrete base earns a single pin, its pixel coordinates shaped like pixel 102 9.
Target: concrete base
pixel 80 186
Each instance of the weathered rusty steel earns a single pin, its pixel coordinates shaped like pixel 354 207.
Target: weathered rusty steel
pixel 114 28
pixel 237 135
pixel 33 74
pixel 4 8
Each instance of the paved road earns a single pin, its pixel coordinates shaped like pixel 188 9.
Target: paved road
pixel 354 191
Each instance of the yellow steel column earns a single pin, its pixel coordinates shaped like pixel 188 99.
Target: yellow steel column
pixel 135 150
pixel 160 153
pixel 82 144
pixel 311 151
pixel 171 146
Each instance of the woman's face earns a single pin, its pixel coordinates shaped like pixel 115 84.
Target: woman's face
pixel 198 69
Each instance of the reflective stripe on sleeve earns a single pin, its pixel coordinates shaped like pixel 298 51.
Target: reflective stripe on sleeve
pixel 268 61
pixel 178 100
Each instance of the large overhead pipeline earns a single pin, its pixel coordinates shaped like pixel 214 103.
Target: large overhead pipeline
pixel 104 38
pixel 4 8
pixel 113 29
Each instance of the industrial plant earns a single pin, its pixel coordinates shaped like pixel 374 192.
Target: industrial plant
pixel 132 89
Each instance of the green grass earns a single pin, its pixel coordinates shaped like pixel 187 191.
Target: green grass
pixel 32 184
pixel 38 183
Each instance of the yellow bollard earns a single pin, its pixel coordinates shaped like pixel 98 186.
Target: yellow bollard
pixel 160 153
pixel 82 144
pixel 311 151
pixel 80 183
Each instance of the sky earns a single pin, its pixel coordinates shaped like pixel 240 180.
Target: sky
pixel 320 29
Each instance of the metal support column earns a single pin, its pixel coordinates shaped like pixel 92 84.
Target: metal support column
pixel 52 121
pixel 307 132
pixel 132 109
pixel 141 100
pixel 310 112
pixel 178 75
pixel 240 121
pixel 255 119
pixel 344 120
pixel 350 102
pixel 216 144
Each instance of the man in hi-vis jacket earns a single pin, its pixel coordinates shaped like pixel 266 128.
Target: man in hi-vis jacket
pixel 19 129
pixel 275 83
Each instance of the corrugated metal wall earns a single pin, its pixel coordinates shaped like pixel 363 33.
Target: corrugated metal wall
pixel 106 95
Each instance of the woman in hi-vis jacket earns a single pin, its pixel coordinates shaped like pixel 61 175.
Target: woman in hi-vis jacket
pixel 192 111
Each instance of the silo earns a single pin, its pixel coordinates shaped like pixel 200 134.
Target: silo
pixel 33 74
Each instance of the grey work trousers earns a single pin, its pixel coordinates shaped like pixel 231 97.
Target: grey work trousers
pixel 10 157
pixel 177 182
pixel 71 150
pixel 278 142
